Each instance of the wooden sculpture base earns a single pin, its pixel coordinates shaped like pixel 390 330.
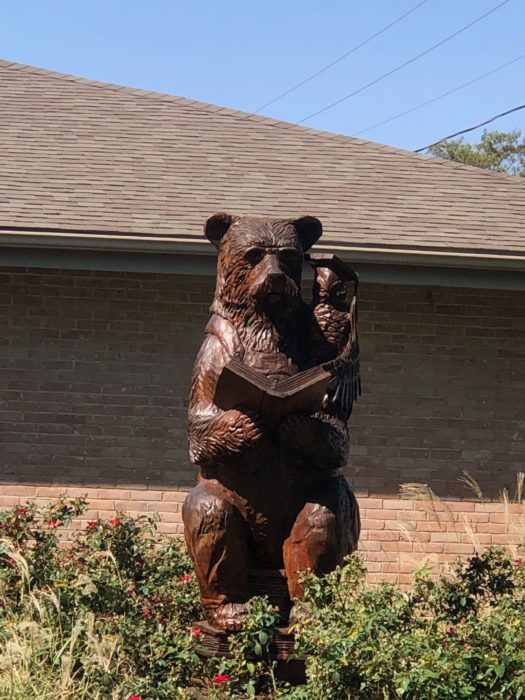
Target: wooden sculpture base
pixel 213 641
pixel 271 583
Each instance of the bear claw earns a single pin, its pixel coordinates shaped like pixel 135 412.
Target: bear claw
pixel 229 616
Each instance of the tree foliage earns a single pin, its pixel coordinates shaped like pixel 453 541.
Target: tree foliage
pixel 503 151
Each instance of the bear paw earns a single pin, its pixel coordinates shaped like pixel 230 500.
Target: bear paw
pixel 320 442
pixel 229 616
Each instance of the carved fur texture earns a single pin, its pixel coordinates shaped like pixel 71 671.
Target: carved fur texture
pixel 270 498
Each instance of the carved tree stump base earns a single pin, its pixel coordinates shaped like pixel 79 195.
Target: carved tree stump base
pixel 216 642
pixel 271 583
pixel 213 641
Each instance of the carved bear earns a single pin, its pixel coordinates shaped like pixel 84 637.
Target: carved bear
pixel 267 497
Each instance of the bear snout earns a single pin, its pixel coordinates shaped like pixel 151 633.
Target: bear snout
pixel 271 284
pixel 273 288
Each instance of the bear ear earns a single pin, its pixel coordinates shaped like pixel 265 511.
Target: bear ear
pixel 217 226
pixel 309 230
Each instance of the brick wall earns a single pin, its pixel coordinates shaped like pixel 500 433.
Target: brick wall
pixel 94 372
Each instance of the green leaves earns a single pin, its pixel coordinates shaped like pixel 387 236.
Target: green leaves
pixel 113 609
pixel 116 607
pixel 454 638
pixel 263 638
pixel 253 664
pixel 498 150
pixel 500 670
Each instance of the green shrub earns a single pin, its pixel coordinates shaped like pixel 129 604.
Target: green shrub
pixel 108 617
pixel 113 609
pixel 461 636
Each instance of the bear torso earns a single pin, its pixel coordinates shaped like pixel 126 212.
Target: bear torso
pixel 259 317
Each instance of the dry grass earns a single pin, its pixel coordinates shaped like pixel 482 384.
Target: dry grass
pixel 39 659
pixel 462 525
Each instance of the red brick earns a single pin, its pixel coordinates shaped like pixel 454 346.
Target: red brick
pixel 9 501
pixel 435 548
pixel 372 503
pixel 461 506
pixel 114 493
pixel 103 380
pixel 131 505
pixel 177 496
pixel 402 545
pixel 444 536
pixel 506 517
pixel 19 490
pixel 164 507
pixel 398 504
pixel 489 507
pixel 371 524
pixel 459 548
pixel 492 528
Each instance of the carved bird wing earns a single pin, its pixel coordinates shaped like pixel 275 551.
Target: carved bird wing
pixel 345 385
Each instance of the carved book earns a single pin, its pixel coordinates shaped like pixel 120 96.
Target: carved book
pixel 240 385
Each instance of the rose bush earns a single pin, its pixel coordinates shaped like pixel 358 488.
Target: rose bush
pixel 108 617
pixel 118 599
pixel 456 637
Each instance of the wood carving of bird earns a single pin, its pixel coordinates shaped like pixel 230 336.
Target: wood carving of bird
pixel 333 334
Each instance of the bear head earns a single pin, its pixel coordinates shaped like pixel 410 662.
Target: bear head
pixel 260 261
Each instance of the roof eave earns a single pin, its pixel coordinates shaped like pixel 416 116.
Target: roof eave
pixel 183 245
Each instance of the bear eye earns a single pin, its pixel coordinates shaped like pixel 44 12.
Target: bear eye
pixel 254 255
pixel 338 290
pixel 289 255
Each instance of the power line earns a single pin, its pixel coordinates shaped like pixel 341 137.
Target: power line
pixel 341 58
pixel 471 128
pixel 403 65
pixel 439 97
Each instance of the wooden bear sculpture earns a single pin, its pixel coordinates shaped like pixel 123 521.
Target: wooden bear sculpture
pixel 270 493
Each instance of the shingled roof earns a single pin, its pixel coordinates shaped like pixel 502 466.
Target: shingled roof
pixel 87 159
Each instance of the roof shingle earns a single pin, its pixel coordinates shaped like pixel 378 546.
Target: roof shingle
pixel 82 155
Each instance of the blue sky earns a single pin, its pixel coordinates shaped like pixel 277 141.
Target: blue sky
pixel 243 54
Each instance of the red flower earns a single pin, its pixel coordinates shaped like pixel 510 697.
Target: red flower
pixel 220 678
pixel 52 522
pixel 114 521
pixel 518 561
pixel 452 630
pixel 21 510
pixel 134 697
pixel 146 611
pixel 185 579
pixel 91 525
pixel 195 632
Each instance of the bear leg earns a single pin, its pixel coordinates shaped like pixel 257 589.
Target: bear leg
pixel 217 538
pixel 324 533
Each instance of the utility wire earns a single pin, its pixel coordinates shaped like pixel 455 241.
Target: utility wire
pixel 341 58
pixel 471 128
pixel 439 97
pixel 403 65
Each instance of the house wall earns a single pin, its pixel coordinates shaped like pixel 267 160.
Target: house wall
pixel 94 374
